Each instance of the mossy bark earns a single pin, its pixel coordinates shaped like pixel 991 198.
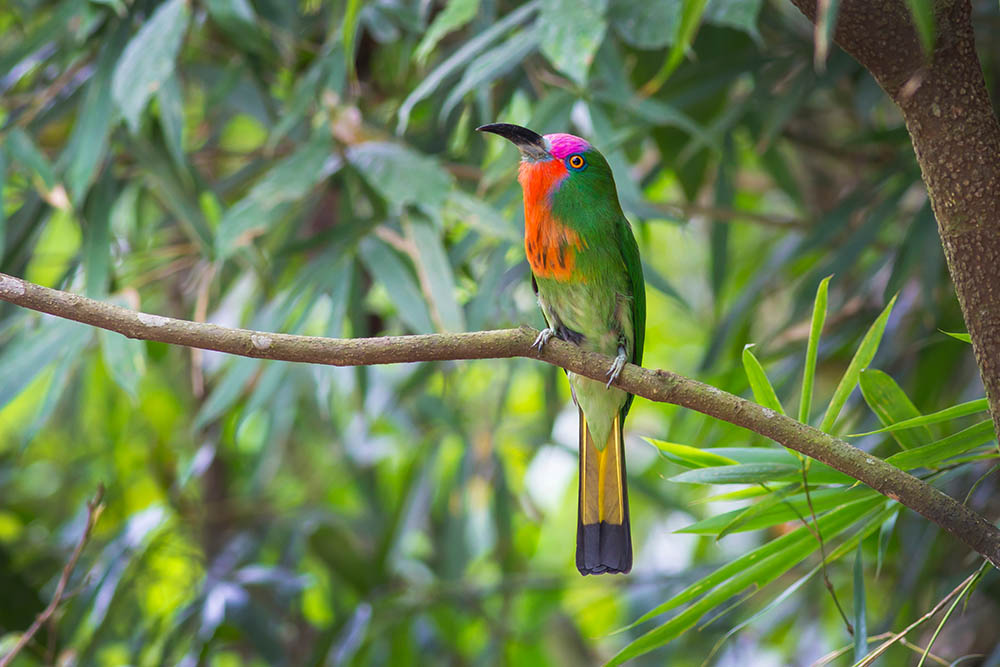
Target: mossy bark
pixel 956 138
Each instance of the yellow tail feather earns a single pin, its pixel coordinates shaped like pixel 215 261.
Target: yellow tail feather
pixel 603 535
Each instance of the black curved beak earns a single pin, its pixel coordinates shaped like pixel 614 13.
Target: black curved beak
pixel 531 144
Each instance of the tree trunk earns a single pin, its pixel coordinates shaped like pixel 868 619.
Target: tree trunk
pixel 956 138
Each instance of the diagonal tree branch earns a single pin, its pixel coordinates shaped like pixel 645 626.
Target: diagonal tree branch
pixel 656 385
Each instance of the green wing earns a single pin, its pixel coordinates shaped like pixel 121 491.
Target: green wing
pixel 633 265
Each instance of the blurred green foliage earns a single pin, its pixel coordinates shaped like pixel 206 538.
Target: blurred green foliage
pixel 312 168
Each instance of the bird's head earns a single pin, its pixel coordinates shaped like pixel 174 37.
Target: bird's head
pixel 561 172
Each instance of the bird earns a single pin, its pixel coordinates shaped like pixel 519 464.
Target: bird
pixel 587 275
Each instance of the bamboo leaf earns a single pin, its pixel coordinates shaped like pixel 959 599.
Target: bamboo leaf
pixel 922 12
pixel 953 445
pixel 691 457
pixel 742 473
pixel 148 59
pixel 891 404
pixel 954 412
pixel 964 337
pixel 690 22
pixel 571 32
pixel 757 568
pixel 455 15
pixel 860 617
pixel 812 349
pixel 763 392
pixel 466 53
pixel 769 512
pixel 864 355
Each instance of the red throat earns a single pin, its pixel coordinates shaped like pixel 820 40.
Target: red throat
pixel 549 244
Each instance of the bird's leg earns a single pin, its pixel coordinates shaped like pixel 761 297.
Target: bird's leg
pixel 618 365
pixel 543 337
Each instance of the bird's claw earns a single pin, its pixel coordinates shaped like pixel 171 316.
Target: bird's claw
pixel 543 337
pixel 616 367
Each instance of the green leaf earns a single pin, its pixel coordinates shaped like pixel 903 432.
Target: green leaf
pixel 757 568
pixel 691 457
pixel 860 616
pixel 235 380
pixel 571 32
pixel 841 550
pixel 690 21
pixel 763 392
pixel 864 355
pixel 239 21
pixel 22 150
pixel 124 358
pixel 812 349
pixel 954 412
pixel 402 176
pixel 964 337
pixel 922 12
pixel 28 354
pixel 288 181
pixel 739 14
pixel 89 139
pixel 741 473
pixel 891 404
pixel 953 445
pixel 491 65
pixel 148 60
pixel 646 25
pixel 386 267
pixel 97 238
pixel 777 508
pixel 435 267
pixel 467 52
pixel 170 98
pixel 349 33
pixel 455 15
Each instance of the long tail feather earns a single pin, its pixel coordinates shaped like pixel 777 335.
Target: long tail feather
pixel 603 535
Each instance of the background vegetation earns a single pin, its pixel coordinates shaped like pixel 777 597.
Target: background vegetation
pixel 312 168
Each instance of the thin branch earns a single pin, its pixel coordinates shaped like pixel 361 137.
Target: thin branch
pixel 94 508
pixel 656 385
pixel 958 590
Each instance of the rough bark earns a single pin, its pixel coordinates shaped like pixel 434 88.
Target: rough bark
pixel 956 138
pixel 656 385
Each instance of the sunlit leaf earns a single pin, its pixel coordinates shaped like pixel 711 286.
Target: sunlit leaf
pixel 455 15
pixel 763 392
pixel 964 337
pixel 690 457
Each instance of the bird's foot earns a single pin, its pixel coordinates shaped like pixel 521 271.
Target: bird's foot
pixel 617 366
pixel 543 337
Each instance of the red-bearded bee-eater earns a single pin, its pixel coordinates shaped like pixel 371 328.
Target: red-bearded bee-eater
pixel 587 275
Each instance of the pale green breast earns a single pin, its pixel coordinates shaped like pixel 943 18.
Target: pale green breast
pixel 599 310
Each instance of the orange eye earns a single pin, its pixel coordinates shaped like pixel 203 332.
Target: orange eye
pixel 576 161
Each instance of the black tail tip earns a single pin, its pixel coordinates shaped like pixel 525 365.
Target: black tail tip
pixel 603 548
